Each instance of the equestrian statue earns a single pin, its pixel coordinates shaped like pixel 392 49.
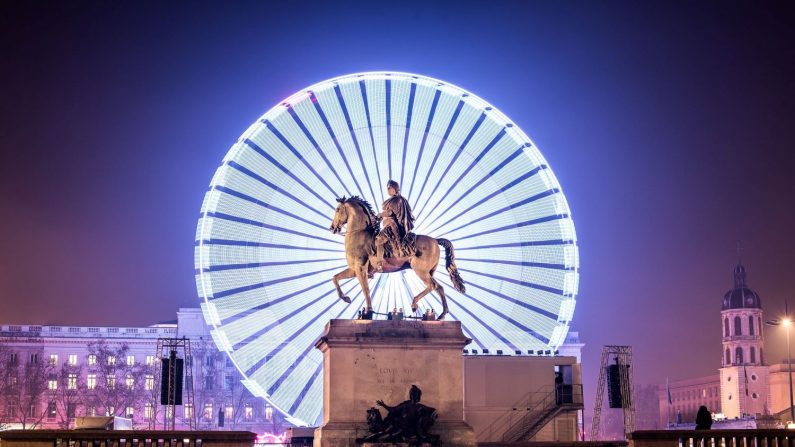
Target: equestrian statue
pixel 384 243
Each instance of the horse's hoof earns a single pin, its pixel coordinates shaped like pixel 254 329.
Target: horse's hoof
pixel 441 316
pixel 414 307
pixel 346 299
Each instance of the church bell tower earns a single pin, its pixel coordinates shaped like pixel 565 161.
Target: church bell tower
pixel 744 376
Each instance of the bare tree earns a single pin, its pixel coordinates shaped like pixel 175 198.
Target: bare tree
pixel 118 385
pixel 69 393
pixel 25 387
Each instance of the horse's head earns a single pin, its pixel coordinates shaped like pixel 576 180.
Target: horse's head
pixel 340 216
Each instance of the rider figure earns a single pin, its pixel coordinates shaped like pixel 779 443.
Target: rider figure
pixel 397 222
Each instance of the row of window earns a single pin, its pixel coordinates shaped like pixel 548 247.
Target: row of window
pixel 91 360
pixel 187 411
pixel 71 359
pixel 91 382
pixel 129 382
pixel 739 358
pixel 695 394
pixel 738 327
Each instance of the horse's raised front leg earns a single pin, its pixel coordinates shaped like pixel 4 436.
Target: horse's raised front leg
pixel 429 286
pixel 345 274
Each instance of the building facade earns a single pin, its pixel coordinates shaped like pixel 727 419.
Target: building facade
pixel 53 374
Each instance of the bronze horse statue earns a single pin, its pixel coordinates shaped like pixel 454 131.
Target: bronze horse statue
pixel 362 226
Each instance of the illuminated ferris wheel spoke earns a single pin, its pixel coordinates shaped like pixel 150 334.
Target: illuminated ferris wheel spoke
pixel 289 172
pixel 471 315
pixel 237 166
pixel 442 143
pixel 488 176
pixel 431 115
pixel 492 312
pixel 486 199
pixel 297 120
pixel 319 110
pixel 512 208
pixel 216 268
pixel 458 153
pixel 239 195
pixel 466 171
pixel 265 257
pixel 363 89
pixel 255 223
pixel 352 133
pixel 533 309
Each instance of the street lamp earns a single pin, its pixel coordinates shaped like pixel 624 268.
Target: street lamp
pixel 787 322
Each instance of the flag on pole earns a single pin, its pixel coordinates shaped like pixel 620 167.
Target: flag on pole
pixel 668 390
pixel 745 371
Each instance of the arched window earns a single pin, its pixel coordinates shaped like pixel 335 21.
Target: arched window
pixel 738 355
pixel 738 326
pixel 753 354
pixel 726 327
pixel 751 325
pixel 728 357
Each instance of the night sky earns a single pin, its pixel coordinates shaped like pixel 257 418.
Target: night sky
pixel 671 127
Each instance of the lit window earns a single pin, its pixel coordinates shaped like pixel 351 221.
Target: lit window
pixel 110 381
pixel 130 360
pixel 71 381
pixel 148 411
pixel 53 359
pixel 188 411
pixel 128 412
pixel 91 411
pixel 268 413
pixel 92 360
pixel 169 411
pixel 248 412
pixel 110 411
pixel 91 382
pixel 52 383
pixel 208 411
pixel 149 383
pixel 130 382
pixel 229 411
pixel 72 360
pixel 52 410
pixel 111 360
pixel 150 360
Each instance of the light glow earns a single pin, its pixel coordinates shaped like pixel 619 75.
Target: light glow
pixel 264 256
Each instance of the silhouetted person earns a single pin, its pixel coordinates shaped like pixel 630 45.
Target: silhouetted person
pixel 703 419
pixel 400 314
pixel 389 315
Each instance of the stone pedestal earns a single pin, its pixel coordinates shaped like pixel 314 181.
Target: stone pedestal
pixel 368 360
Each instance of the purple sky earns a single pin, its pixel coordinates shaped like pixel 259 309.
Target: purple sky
pixel 671 127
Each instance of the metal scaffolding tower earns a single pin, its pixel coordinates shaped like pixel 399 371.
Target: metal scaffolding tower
pixel 167 391
pixel 623 358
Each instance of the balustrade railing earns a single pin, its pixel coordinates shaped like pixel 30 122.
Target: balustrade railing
pixel 125 438
pixel 712 438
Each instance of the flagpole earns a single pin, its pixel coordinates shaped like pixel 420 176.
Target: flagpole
pixel 668 396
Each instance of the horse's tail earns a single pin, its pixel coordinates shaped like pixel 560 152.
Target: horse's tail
pixel 449 260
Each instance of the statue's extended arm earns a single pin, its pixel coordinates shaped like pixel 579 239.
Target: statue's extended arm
pixel 386 407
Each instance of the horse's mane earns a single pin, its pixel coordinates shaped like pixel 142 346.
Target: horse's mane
pixel 364 203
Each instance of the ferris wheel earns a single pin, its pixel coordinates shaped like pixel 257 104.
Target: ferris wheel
pixel 264 255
